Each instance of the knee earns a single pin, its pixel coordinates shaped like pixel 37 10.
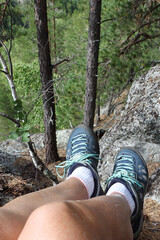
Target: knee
pixel 53 213
pixel 51 220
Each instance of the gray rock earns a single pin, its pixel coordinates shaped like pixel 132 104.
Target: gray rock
pixel 62 139
pixel 13 147
pixel 11 150
pixel 137 126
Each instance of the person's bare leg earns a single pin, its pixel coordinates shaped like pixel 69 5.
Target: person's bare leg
pixel 82 153
pixel 14 214
pixel 100 218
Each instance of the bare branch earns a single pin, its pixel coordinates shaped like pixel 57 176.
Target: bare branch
pixel 60 62
pixel 8 74
pixel 136 40
pixel 147 36
pixel 3 71
pixel 4 10
pixel 9 57
pixel 148 23
pixel 107 20
pixel 10 118
pixel 137 29
pixel 149 11
pixel 85 18
pixel 39 164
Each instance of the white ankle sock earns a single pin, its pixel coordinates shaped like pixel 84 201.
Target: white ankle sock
pixel 85 176
pixel 120 188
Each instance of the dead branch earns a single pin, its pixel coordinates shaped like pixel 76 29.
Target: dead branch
pixel 140 27
pixel 146 36
pixel 149 11
pixel 137 40
pixel 4 10
pixel 85 18
pixel 60 62
pixel 10 118
pixel 107 20
pixel 3 71
pixel 150 22
pixel 39 165
pixel 111 110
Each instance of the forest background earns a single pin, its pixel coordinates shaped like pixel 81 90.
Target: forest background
pixel 129 45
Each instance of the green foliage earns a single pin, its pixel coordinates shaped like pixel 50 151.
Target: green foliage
pixel 27 76
pixel 68 5
pixel 7 108
pixel 70 100
pixel 126 18
pixel 69 83
pixel 25 44
pixel 21 132
pixel 13 17
pixel 68 96
pixel 23 128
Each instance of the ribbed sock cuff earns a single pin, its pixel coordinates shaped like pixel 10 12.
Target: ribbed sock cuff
pixel 120 188
pixel 85 176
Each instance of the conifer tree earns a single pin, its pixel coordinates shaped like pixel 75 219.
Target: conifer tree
pixel 92 61
pixel 46 79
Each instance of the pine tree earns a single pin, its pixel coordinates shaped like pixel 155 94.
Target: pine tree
pixel 92 61
pixel 46 79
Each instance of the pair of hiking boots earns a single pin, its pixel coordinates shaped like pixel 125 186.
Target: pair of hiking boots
pixel 129 169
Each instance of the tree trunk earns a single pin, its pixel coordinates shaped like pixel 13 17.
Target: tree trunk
pixel 92 62
pixel 54 36
pixel 46 78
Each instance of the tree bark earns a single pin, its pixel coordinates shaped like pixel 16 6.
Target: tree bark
pixel 54 36
pixel 46 79
pixel 92 62
pixel 9 77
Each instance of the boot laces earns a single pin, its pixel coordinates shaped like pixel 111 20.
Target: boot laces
pixel 79 154
pixel 125 170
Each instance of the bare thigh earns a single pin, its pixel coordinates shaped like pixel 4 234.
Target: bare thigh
pixel 14 214
pixel 100 218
